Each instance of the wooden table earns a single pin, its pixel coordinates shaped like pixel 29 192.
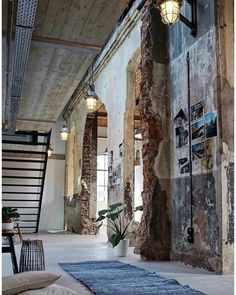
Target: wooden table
pixel 10 249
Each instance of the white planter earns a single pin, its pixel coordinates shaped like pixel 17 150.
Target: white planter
pixel 121 250
pixel 7 225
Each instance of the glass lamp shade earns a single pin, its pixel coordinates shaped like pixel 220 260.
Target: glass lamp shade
pixel 91 102
pixel 91 98
pixel 64 133
pixel 170 10
pixel 49 152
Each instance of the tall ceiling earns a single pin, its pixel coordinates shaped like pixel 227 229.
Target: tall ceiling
pixel 67 35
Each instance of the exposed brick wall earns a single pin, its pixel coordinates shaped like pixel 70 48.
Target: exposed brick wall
pixel 87 198
pixel 154 231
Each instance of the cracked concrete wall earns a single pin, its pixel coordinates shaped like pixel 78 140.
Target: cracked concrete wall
pixel 212 176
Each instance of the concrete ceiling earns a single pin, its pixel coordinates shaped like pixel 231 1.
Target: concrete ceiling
pixel 68 35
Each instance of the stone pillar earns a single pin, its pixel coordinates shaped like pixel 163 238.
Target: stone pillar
pixel 154 231
pixel 88 195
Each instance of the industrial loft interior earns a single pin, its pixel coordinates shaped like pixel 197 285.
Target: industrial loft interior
pixel 118 147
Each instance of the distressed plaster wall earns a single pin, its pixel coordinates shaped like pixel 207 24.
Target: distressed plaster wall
pixel 154 233
pixel 81 194
pixel 111 87
pixel 225 58
pixel 209 186
pixel 72 207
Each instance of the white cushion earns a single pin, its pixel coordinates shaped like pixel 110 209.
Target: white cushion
pixel 27 281
pixel 51 290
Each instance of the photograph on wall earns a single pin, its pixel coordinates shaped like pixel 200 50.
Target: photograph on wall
pixel 180 118
pixel 183 165
pixel 111 158
pixel 110 179
pixel 198 151
pixel 109 170
pixel 197 110
pixel 181 135
pixel 198 130
pixel 211 124
pixel 121 149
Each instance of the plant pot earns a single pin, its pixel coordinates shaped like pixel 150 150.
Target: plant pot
pixel 121 250
pixel 7 225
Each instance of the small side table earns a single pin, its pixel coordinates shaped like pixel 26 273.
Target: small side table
pixel 10 249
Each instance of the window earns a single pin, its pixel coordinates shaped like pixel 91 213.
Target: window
pixel 102 177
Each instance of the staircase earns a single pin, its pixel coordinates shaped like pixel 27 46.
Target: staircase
pixel 24 163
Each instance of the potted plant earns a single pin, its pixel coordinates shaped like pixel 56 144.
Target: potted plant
pixel 7 214
pixel 118 238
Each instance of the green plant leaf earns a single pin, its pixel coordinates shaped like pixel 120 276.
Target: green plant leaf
pixel 139 208
pixel 103 212
pixel 114 239
pixel 115 206
pixel 100 218
pixel 114 215
pixel 8 213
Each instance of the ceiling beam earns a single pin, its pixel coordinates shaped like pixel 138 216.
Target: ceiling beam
pixel 35 120
pixel 64 44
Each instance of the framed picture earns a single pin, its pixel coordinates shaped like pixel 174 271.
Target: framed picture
pixel 211 124
pixel 198 151
pixel 183 165
pixel 111 158
pixel 180 118
pixel 181 135
pixel 121 149
pixel 198 130
pixel 198 110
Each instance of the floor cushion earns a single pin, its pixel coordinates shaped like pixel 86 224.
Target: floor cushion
pixel 24 281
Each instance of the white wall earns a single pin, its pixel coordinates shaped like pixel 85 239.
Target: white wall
pixel 138 182
pixel 111 87
pixel 52 213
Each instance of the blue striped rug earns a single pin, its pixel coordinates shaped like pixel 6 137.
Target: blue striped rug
pixel 117 278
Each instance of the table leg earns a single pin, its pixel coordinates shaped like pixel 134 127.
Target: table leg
pixel 13 255
pixel 19 232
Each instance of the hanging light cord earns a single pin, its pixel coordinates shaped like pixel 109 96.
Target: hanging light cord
pixel 190 230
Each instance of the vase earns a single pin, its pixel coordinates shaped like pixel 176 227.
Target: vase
pixel 121 250
pixel 7 225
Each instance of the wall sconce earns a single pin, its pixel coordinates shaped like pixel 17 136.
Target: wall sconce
pixel 50 151
pixel 64 133
pixel 91 97
pixel 170 13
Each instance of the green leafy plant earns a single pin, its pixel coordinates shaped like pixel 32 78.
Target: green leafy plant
pixel 114 222
pixel 8 213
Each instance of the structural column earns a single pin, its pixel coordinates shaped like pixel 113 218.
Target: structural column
pixel 154 231
pixel 88 195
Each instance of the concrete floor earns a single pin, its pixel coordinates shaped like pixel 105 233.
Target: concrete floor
pixel 66 247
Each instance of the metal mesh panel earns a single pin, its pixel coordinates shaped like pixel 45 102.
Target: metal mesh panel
pixel 26 12
pixel 21 53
